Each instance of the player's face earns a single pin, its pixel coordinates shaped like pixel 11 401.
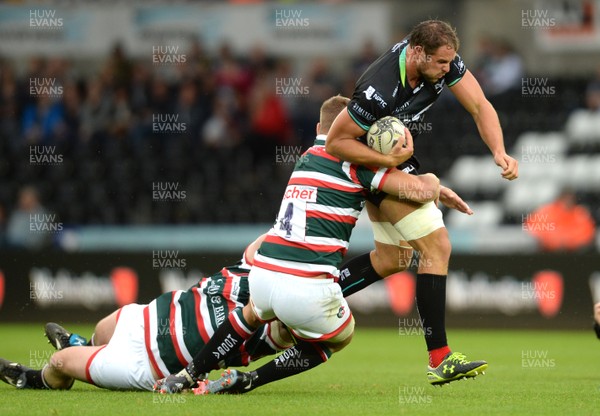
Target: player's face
pixel 435 66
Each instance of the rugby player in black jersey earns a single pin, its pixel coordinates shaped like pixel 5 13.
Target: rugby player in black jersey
pixel 405 82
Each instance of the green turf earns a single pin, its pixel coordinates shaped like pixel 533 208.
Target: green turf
pixel 381 373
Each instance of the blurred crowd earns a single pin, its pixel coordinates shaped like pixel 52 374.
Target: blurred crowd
pixel 225 100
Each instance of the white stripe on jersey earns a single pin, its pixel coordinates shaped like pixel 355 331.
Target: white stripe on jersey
pixel 153 323
pixel 376 182
pixel 326 241
pixel 325 178
pixel 288 264
pixel 179 330
pixel 332 210
pixel 204 314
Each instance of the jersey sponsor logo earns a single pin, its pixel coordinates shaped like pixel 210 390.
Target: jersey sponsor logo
pixel 399 45
pixel 460 65
pixel 372 94
pixel 439 86
pixel 362 112
pixel 305 193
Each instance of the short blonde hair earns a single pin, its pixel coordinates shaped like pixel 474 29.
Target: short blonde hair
pixel 330 110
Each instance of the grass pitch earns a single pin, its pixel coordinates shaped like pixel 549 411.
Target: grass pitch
pixel 381 373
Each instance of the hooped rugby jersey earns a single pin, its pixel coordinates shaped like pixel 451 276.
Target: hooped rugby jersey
pixel 383 90
pixel 320 206
pixel 178 324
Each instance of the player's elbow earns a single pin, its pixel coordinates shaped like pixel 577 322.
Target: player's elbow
pixel 332 146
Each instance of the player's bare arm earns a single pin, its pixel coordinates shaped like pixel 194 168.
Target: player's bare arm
pixel 342 143
pixel 451 200
pixel 471 96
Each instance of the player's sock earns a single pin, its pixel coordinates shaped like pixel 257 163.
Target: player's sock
pixel 431 303
pixel 357 273
pixel 295 360
pixel 35 380
pixel 224 343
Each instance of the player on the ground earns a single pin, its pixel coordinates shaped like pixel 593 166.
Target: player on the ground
pixel 295 269
pixel 138 344
pixel 404 82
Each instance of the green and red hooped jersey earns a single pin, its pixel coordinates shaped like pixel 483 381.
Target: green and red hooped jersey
pixel 320 207
pixel 178 324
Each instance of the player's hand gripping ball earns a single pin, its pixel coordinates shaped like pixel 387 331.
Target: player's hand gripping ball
pixel 385 133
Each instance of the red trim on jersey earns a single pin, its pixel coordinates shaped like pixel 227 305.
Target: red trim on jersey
pixel 321 152
pixel 383 179
pixel 227 289
pixel 244 356
pixel 348 219
pixel 239 327
pixel 323 184
pixel 199 320
pixel 118 315
pixel 293 272
pixel 354 175
pixel 148 345
pixel 173 332
pixel 88 376
pixel 325 337
pixel 274 239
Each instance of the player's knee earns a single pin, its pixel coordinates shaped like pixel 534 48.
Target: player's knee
pixel 341 340
pixel 59 361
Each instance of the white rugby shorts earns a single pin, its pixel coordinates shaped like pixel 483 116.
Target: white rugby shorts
pixel 123 363
pixel 313 309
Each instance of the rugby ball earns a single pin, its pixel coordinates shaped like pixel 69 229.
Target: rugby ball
pixel 385 133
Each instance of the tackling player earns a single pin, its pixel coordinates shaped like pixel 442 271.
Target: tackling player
pixel 405 82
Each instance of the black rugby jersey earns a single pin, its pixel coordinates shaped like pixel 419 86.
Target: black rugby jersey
pixel 383 90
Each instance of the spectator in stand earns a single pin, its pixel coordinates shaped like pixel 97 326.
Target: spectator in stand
pixel 500 67
pixel 562 225
pixel 19 231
